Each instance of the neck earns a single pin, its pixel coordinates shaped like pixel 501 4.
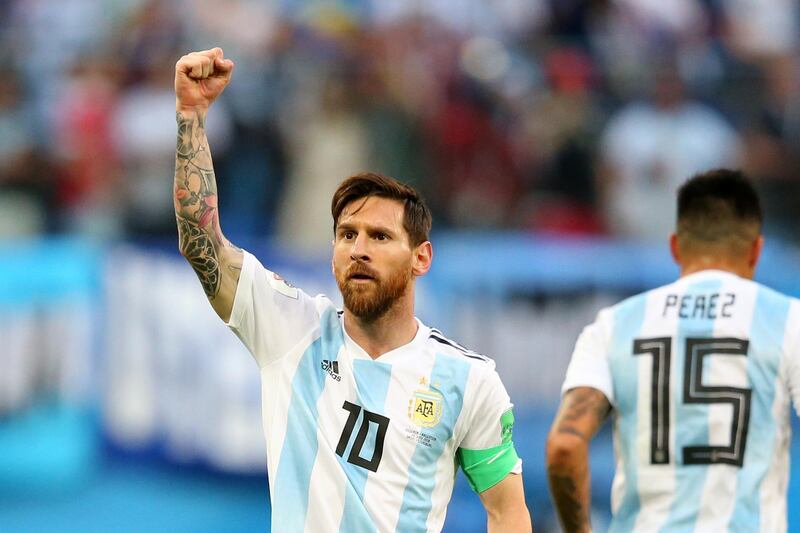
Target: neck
pixel 393 329
pixel 697 264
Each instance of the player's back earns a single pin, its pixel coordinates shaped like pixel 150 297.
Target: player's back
pixel 701 371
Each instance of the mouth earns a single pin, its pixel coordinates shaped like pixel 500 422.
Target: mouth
pixel 360 277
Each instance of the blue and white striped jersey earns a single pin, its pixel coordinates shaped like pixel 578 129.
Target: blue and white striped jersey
pixel 356 444
pixel 701 374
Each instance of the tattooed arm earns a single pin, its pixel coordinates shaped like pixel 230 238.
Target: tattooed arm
pixel 583 410
pixel 200 77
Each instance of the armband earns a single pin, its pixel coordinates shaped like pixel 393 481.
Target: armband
pixel 486 468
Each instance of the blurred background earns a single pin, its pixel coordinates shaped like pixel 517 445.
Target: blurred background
pixel 548 136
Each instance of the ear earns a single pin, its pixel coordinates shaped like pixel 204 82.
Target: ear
pixel 755 251
pixel 423 256
pixel 675 248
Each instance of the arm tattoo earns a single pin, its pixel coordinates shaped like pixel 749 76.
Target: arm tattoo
pixel 583 402
pixel 583 411
pixel 574 514
pixel 195 198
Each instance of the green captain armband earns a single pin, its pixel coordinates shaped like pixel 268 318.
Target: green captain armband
pixel 486 468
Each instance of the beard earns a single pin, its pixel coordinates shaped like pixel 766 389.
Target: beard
pixel 371 300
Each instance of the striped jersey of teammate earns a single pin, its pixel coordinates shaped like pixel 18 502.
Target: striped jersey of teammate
pixel 356 444
pixel 701 374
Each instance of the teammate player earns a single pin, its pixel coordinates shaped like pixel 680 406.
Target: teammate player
pixel 698 374
pixel 366 411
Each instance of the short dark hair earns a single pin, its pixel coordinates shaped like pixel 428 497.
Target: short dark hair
pixel 718 207
pixel 417 217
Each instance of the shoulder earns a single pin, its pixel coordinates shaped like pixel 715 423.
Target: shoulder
pixel 267 288
pixel 447 346
pixel 774 295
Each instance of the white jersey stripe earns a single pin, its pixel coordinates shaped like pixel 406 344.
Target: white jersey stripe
pixel 372 383
pixel 628 321
pixel 656 413
pixel 449 377
pixel 689 485
pixel 719 491
pixel 767 330
pixel 328 481
pixel 402 388
pixel 279 379
pixel 772 497
pixel 298 454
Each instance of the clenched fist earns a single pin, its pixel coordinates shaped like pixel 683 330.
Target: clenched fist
pixel 200 77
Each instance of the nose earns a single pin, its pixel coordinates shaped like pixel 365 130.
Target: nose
pixel 359 252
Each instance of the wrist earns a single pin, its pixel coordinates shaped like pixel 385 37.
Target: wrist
pixel 190 111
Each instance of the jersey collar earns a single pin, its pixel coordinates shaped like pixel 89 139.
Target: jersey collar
pixel 358 352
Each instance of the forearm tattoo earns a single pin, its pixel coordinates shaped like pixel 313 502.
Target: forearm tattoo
pixel 583 412
pixel 195 197
pixel 569 500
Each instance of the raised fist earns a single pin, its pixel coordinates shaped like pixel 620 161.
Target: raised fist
pixel 200 77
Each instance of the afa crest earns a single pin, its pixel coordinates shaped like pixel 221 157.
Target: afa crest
pixel 425 408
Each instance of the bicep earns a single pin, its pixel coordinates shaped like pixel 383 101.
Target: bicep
pixel 582 412
pixel 229 268
pixel 505 503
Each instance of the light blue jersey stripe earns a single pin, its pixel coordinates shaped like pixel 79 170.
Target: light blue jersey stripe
pixel 299 450
pixel 628 319
pixel 372 383
pixel 766 339
pixel 692 419
pixel 449 377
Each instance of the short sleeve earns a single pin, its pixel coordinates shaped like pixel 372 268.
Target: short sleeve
pixel 792 353
pixel 486 453
pixel 589 366
pixel 269 315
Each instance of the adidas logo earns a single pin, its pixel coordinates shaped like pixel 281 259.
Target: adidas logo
pixel 332 368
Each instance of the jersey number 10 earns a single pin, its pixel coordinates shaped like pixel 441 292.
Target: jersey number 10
pixel 695 392
pixel 355 458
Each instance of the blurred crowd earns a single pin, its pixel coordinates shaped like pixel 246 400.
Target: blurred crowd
pixel 566 117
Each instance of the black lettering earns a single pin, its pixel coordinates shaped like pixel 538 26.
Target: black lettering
pixel 730 299
pixel 712 305
pixel 684 306
pixel 699 305
pixel 671 301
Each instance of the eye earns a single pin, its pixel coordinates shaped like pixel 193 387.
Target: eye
pixel 382 237
pixel 348 235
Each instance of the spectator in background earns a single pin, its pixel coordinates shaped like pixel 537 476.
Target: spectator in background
pixel 559 130
pixel 477 182
pixel 326 142
pixel 649 147
pixel 87 164
pixel 25 188
pixel 268 56
pixel 511 145
pixel 143 117
pixel 771 147
pixel 763 42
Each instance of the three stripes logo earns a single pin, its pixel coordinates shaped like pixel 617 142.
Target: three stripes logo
pixel 332 368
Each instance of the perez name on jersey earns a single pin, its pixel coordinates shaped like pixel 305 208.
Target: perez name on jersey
pixel 711 305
